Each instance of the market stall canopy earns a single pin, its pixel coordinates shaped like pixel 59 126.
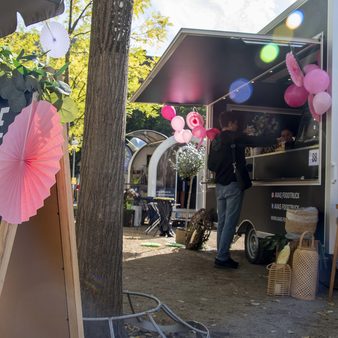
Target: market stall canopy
pixel 148 136
pixel 199 65
pixel 32 11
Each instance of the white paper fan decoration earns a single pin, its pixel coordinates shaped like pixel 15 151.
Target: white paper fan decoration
pixel 54 39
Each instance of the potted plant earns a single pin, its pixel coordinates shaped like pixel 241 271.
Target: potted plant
pixel 189 161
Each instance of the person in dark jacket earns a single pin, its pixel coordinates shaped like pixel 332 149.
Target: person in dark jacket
pixel 230 145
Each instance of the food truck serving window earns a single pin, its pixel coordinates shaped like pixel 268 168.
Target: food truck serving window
pixel 297 161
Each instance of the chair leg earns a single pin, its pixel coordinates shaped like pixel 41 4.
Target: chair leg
pixel 153 226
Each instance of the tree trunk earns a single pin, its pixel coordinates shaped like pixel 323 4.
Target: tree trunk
pixel 100 213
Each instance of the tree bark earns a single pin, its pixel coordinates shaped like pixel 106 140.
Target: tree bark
pixel 100 213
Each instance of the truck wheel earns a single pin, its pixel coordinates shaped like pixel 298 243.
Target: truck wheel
pixel 254 250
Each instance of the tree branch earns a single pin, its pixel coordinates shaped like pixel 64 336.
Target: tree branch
pixel 80 17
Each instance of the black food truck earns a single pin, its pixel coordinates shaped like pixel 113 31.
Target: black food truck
pixel 200 67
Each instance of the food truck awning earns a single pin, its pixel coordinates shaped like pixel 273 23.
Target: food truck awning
pixel 199 65
pixel 32 11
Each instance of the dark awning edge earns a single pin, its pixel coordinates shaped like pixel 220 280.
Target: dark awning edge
pixel 175 45
pixel 32 11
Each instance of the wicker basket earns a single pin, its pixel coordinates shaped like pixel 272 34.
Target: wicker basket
pixel 305 271
pixel 279 280
pixel 300 220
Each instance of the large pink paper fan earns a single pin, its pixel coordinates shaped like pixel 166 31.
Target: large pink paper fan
pixel 29 159
pixel 294 70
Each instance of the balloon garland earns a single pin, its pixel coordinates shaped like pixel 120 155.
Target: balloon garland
pixel 311 87
pixel 193 120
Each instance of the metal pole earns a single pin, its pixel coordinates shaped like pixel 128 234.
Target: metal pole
pixel 73 175
pixel 73 171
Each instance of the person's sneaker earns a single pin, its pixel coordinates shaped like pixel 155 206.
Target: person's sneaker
pixel 170 234
pixel 229 263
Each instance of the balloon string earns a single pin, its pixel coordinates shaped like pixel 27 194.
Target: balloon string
pixel 50 31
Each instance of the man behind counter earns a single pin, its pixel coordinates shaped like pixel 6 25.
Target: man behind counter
pixel 286 139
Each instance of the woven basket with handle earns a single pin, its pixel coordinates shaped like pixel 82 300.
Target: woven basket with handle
pixel 305 270
pixel 279 279
pixel 302 219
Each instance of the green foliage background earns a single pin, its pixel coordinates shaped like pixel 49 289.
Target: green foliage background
pixel 150 32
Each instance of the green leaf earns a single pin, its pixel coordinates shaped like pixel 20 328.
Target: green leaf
pixel 16 63
pixel 68 110
pixel 29 57
pixel 31 83
pixel 6 52
pixel 55 97
pixel 5 68
pixel 16 104
pixel 63 88
pixel 58 104
pixel 61 70
pixel 19 80
pixel 38 72
pixel 22 52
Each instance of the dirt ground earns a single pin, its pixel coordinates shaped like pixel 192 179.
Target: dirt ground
pixel 231 303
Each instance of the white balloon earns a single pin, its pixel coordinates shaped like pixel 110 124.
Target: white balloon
pixel 179 136
pixel 54 40
pixel 187 135
pixel 322 102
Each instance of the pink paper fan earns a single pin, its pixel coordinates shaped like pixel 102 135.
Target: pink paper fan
pixel 29 159
pixel 312 109
pixel 194 119
pixel 294 70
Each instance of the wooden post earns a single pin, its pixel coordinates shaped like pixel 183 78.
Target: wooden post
pixel 7 236
pixel 67 225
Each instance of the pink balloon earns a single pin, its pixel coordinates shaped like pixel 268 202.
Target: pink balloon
pixel 199 132
pixel 295 96
pixel 194 119
pixel 179 136
pixel 322 102
pixel 312 109
pixel 178 123
pixel 168 112
pixel 316 81
pixel 309 67
pixel 212 133
pixel 187 135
